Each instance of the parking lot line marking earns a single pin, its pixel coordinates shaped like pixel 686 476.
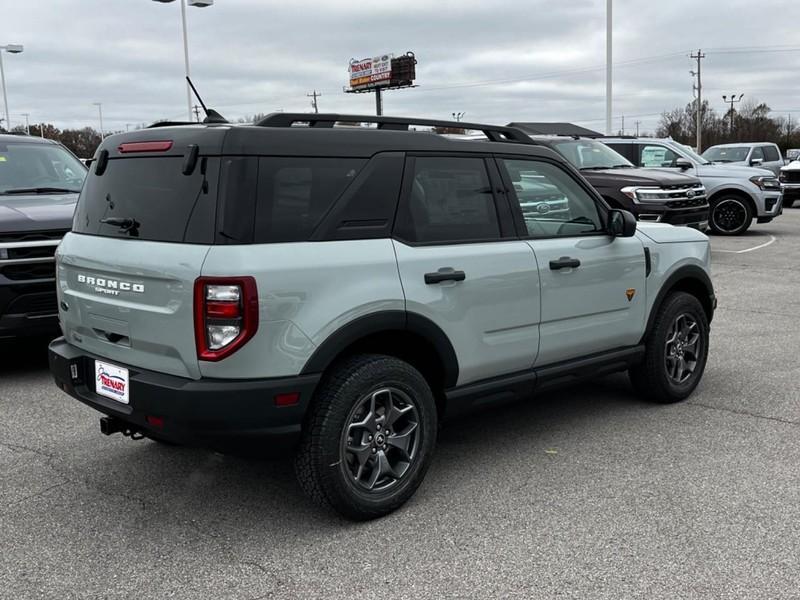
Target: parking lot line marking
pixel 772 238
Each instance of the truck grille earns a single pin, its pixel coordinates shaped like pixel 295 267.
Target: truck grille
pixel 701 201
pixel 29 255
pixel 790 176
pixel 40 304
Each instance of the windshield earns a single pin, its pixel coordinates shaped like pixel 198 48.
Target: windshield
pixel 726 154
pixel 39 168
pixel 589 154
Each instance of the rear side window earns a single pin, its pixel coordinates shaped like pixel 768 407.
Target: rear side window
pixel 294 194
pixel 448 200
pixel 771 154
pixel 150 199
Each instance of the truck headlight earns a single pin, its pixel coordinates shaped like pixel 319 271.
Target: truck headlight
pixel 639 194
pixel 766 183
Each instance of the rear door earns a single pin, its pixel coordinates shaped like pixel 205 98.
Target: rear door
pixel 772 159
pixel 593 284
pixel 462 267
pixel 126 274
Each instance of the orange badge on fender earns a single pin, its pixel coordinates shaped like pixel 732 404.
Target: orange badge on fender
pixel 630 293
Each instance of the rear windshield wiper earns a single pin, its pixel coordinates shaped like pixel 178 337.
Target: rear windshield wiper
pixel 41 190
pixel 594 168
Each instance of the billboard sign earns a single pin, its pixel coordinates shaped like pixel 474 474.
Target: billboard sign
pixel 371 72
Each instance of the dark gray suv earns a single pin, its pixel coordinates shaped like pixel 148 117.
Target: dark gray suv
pixel 39 185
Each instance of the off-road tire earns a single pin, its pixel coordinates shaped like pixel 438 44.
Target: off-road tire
pixel 650 378
pixel 320 468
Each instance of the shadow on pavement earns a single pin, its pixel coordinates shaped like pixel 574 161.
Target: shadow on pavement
pixel 23 355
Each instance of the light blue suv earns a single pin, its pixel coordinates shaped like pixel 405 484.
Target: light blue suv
pixel 342 290
pixel 736 194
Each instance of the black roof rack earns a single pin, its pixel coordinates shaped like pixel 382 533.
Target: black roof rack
pixel 495 133
pixel 170 124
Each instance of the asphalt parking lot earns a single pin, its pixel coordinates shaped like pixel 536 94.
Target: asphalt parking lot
pixel 582 493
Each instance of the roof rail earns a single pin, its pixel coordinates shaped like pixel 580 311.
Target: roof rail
pixel 495 133
pixel 170 124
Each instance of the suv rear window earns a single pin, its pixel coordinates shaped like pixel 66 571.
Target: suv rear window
pixel 160 202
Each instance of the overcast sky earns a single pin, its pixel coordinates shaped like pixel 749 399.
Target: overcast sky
pixel 497 60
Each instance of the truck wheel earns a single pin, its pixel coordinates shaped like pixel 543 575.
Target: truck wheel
pixel 730 215
pixel 368 438
pixel 676 350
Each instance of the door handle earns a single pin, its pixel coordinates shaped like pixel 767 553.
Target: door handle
pixel 444 275
pixel 565 262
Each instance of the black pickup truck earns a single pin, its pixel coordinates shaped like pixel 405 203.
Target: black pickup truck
pixel 39 184
pixel 650 194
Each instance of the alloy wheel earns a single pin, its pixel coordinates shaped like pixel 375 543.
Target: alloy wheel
pixel 729 215
pixel 380 439
pixel 682 348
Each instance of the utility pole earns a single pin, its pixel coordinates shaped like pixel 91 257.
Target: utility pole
pixel 699 89
pixel 637 127
pixel 99 106
pixel 27 123
pixel 314 95
pixel 196 110
pixel 732 101
pixel 609 31
pixel 623 124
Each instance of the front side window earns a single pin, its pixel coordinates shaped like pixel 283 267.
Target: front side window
pixel 758 154
pixel 552 202
pixel 658 156
pixel 38 168
pixel 449 200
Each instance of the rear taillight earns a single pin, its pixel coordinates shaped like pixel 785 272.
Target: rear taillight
pixel 225 315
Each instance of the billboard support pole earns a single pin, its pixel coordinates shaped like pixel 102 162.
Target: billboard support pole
pixel 378 102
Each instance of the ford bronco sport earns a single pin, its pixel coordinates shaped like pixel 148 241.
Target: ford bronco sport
pixel 342 290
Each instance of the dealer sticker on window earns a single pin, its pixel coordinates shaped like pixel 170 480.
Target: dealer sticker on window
pixel 111 381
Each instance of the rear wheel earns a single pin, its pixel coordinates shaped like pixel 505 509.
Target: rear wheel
pixel 676 351
pixel 369 437
pixel 730 215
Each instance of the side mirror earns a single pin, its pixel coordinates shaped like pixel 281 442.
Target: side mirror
pixel 621 223
pixel 754 162
pixel 683 163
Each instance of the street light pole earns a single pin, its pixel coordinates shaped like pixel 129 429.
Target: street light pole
pixel 27 123
pixel 11 49
pixel 201 4
pixel 99 106
pixel 609 31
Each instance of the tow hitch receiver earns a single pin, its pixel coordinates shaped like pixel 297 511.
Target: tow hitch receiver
pixel 111 425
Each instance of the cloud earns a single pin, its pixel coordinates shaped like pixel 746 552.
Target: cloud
pixel 497 61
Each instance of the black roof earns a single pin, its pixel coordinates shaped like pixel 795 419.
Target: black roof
pixel 554 129
pixel 279 134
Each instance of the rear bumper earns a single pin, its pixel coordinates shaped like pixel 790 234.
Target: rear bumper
pixel 203 412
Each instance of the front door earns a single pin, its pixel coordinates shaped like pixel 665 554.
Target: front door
pixel 593 284
pixel 462 266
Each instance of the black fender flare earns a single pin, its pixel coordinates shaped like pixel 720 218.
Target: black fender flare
pixel 385 321
pixel 691 273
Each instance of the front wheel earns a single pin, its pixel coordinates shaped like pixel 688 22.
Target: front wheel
pixel 730 215
pixel 369 437
pixel 676 350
